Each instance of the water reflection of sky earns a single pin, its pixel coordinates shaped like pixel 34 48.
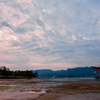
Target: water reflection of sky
pixel 63 80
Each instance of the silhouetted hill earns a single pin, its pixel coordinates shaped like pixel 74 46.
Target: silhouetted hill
pixel 44 72
pixel 70 72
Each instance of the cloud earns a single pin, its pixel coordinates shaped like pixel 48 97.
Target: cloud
pixel 62 65
pixel 12 16
pixel 49 34
pixel 23 1
pixel 85 38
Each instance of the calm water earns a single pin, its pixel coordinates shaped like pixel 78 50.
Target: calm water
pixel 64 79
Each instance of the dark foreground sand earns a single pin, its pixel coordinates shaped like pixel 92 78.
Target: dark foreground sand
pixel 28 89
pixel 82 90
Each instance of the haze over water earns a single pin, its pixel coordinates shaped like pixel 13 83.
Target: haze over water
pixel 64 79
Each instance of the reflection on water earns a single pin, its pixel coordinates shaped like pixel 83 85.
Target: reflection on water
pixel 64 79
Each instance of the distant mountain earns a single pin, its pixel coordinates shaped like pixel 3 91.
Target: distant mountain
pixel 71 72
pixel 45 72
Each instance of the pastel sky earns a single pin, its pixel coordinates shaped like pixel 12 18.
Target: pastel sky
pixel 49 34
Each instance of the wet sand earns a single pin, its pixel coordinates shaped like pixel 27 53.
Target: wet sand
pixel 81 90
pixel 18 81
pixel 28 89
pixel 20 89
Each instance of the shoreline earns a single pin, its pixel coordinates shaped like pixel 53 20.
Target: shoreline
pixel 28 89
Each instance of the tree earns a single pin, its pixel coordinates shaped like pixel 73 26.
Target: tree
pixel 36 74
pixel 6 72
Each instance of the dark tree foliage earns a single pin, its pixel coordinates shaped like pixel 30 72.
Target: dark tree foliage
pixel 36 74
pixel 5 72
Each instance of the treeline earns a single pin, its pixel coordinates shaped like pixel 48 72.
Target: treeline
pixel 5 72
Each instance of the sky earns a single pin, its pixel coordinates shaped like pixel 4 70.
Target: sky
pixel 49 34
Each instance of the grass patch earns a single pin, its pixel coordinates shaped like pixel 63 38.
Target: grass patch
pixel 15 88
pixel 3 88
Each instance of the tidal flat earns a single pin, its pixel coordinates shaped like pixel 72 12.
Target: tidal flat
pixel 29 89
pixel 78 90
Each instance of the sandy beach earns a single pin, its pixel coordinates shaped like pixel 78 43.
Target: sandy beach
pixel 28 89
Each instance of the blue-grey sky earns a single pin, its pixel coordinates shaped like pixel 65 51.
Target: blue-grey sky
pixel 49 34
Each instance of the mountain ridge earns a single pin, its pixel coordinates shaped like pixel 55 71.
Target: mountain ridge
pixel 70 72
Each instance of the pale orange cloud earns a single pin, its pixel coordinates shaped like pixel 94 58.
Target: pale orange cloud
pixel 36 64
pixel 6 65
pixel 64 65
pixel 52 58
pixel 7 57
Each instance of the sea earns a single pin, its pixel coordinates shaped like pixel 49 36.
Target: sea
pixel 58 80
